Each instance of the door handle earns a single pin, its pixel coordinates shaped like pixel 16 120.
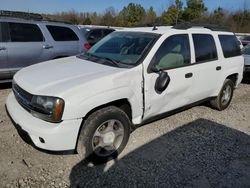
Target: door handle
pixel 47 46
pixel 218 68
pixel 2 48
pixel 189 75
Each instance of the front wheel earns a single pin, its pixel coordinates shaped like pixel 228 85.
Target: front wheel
pixel 222 101
pixel 104 135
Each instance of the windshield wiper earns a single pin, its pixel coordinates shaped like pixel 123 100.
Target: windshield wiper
pixel 91 55
pixel 112 61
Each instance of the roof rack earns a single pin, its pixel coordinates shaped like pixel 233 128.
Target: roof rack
pixel 27 16
pixel 207 26
pixel 23 15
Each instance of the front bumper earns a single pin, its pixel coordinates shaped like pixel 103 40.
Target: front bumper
pixel 45 135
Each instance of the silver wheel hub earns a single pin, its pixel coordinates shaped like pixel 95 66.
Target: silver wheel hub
pixel 226 95
pixel 107 138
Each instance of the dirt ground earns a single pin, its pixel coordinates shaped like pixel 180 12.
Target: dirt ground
pixel 199 147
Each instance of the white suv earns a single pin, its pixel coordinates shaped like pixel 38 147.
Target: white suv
pixel 91 103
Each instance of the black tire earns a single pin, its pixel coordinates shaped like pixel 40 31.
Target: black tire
pixel 92 124
pixel 217 102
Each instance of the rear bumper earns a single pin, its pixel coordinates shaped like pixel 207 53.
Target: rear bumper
pixel 48 136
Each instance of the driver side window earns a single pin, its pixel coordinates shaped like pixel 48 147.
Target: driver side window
pixel 174 52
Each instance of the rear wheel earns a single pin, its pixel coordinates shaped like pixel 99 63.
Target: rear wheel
pixel 104 135
pixel 222 101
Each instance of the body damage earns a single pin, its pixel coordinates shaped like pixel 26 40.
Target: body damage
pixel 84 85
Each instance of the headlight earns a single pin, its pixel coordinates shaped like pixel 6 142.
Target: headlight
pixel 47 108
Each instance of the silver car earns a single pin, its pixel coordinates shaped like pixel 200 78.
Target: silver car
pixel 94 34
pixel 24 42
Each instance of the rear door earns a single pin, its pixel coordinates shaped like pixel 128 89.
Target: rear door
pixel 4 73
pixel 206 67
pixel 65 41
pixel 26 45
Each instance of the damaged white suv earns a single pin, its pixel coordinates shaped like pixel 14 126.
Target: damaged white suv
pixel 90 103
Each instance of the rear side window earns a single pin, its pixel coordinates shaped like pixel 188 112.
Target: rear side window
pixel 4 32
pixel 205 49
pixel 22 32
pixel 62 33
pixel 229 46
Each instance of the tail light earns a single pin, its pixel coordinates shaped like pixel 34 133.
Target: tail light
pixel 87 46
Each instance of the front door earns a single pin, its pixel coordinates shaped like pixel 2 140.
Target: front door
pixel 174 58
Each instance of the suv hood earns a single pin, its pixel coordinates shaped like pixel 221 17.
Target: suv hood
pixel 56 76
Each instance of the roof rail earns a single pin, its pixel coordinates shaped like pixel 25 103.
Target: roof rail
pixel 23 15
pixel 56 21
pixel 27 16
pixel 207 26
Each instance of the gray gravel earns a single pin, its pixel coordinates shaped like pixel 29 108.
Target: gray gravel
pixel 200 147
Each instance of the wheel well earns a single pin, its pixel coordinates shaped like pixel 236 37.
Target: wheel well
pixel 233 78
pixel 122 104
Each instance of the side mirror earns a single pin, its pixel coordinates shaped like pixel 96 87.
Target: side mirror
pixel 162 82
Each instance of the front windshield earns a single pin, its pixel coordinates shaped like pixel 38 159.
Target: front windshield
pixel 123 47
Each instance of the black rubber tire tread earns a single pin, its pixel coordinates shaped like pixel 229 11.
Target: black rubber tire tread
pixel 216 102
pixel 84 145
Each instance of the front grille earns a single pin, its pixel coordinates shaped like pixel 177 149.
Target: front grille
pixel 23 97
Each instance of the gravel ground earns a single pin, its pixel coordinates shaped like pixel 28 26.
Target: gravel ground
pixel 200 147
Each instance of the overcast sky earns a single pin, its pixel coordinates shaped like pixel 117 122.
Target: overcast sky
pixel 52 6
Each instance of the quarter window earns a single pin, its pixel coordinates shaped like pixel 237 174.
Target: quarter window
pixel 229 46
pixel 205 49
pixel 62 33
pixel 174 52
pixel 22 32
